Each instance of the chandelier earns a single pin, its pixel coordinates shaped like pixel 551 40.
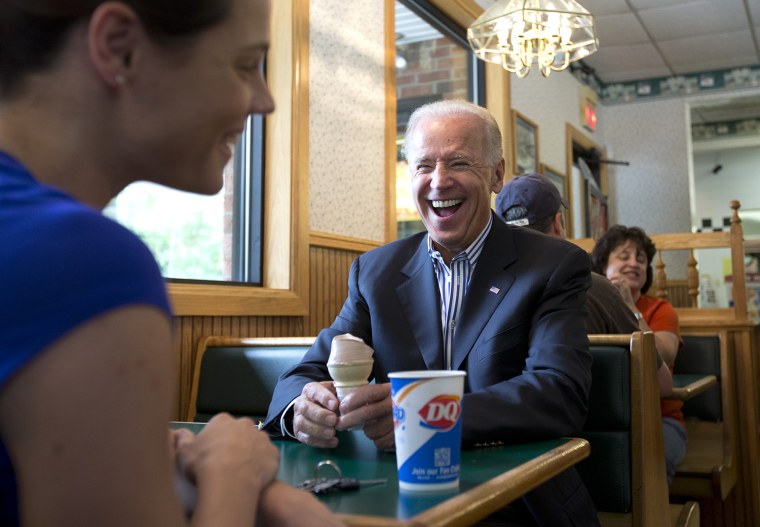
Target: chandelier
pixel 518 33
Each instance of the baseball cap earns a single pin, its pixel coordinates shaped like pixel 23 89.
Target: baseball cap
pixel 532 191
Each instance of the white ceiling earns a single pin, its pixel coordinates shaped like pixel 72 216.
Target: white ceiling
pixel 642 39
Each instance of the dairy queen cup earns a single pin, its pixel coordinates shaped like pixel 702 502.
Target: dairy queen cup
pixel 427 422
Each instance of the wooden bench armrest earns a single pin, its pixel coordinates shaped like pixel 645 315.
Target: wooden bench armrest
pixel 686 515
pixel 687 386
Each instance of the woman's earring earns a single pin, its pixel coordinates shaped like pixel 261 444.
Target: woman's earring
pixel 119 78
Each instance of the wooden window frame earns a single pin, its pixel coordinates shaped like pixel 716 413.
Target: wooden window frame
pixel 464 13
pixel 285 251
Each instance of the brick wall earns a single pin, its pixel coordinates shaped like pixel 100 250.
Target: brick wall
pixel 435 69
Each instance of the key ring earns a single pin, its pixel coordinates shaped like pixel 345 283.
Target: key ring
pixel 327 463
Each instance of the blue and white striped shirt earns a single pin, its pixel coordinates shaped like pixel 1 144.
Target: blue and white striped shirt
pixel 452 284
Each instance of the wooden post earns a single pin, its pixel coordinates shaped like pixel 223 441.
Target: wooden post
pixel 660 278
pixel 692 279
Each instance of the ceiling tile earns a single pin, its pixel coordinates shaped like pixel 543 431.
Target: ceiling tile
pixel 636 75
pixel 754 11
pixel 611 61
pixel 620 30
pixel 645 4
pixel 604 7
pixel 730 109
pixel 665 23
pixel 709 65
pixel 635 56
pixel 706 52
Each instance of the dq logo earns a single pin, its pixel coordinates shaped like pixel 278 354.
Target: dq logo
pixel 441 413
pixel 398 415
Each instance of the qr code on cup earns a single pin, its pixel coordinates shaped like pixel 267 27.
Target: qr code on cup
pixel 442 457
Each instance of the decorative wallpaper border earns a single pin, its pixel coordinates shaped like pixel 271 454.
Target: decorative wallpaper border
pixel 679 86
pixel 708 132
pixel 682 85
pixel 674 86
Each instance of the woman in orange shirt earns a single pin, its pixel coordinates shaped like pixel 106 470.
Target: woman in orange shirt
pixel 624 255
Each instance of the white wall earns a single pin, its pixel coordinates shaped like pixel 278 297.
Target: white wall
pixel 653 192
pixel 739 179
pixel 551 102
pixel 656 191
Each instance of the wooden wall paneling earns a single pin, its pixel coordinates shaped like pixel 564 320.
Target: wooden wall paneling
pixel 334 272
pixel 317 285
pixel 329 285
pixel 331 257
pixel 182 355
pixel 742 505
pixel 745 343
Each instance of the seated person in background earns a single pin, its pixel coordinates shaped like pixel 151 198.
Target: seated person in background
pixel 504 304
pixel 94 96
pixel 532 201
pixel 624 255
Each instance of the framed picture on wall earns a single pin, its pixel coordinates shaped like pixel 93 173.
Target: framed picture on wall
pixel 596 210
pixel 595 203
pixel 560 181
pixel 524 144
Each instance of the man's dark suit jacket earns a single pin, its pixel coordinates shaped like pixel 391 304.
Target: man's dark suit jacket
pixel 521 337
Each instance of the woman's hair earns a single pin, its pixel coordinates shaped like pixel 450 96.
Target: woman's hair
pixel 32 32
pixel 616 236
pixel 452 107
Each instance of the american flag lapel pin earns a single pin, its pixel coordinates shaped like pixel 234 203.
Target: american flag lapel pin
pixel 494 289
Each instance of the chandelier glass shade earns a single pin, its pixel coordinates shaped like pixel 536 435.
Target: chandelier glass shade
pixel 519 33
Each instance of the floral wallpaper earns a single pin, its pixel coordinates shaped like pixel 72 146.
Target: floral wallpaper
pixel 347 118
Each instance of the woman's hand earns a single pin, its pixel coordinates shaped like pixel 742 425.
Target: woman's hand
pixel 625 291
pixel 229 450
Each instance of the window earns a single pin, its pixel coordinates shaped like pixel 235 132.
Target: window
pixel 433 62
pixel 285 228
pixel 206 238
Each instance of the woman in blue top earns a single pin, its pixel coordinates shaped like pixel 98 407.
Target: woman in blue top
pixel 93 96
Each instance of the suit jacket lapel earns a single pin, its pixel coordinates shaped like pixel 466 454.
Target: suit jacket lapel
pixel 421 303
pixel 488 286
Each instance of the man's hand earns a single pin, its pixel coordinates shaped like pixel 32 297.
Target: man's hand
pixel 369 407
pixel 315 415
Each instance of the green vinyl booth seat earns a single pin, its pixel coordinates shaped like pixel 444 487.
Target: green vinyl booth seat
pixel 709 469
pixel 238 376
pixel 607 472
pixel 701 355
pixel 625 473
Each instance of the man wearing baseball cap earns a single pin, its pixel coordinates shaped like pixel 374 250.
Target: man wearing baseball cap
pixel 531 200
